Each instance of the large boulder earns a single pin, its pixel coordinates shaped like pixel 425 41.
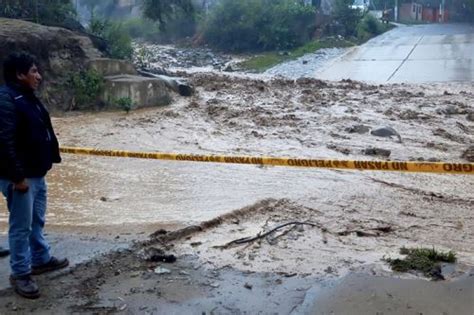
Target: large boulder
pixel 60 53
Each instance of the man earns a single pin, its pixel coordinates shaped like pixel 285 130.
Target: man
pixel 28 148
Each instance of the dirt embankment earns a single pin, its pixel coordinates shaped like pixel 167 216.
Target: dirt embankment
pixel 60 53
pixel 352 219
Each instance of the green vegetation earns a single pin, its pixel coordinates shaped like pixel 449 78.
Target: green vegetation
pixel 369 26
pixel 119 41
pixel 237 26
pixel 346 18
pixel 165 10
pixel 258 25
pixel 86 87
pixel 142 28
pixel 276 25
pixel 265 61
pixel 422 259
pixel 49 12
pixel 124 103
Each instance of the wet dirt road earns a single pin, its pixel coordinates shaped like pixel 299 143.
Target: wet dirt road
pixel 411 54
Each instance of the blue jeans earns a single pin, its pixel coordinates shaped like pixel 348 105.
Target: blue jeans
pixel 27 217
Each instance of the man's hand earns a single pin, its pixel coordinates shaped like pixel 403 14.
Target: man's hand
pixel 21 187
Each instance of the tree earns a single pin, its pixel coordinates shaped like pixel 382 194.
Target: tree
pixel 49 12
pixel 346 16
pixel 470 10
pixel 165 10
pixel 39 11
pixel 247 25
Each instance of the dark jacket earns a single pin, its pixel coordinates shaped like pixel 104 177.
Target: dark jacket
pixel 28 145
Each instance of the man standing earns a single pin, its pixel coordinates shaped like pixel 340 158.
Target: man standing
pixel 28 148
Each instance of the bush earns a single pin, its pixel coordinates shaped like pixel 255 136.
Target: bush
pixel 142 28
pixel 86 87
pixel 346 17
pixel 425 260
pixel 124 103
pixel 177 28
pixel 248 25
pixel 369 27
pixel 118 40
pixel 40 11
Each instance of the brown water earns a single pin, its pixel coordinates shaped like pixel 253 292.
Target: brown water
pixel 277 118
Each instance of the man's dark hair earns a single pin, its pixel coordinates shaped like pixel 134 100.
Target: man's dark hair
pixel 17 63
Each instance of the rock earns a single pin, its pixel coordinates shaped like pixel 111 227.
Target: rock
pixel 451 110
pixel 184 88
pixel 109 199
pixel 329 269
pixel 340 149
pixel 463 127
pixel 156 254
pixel 228 68
pixel 360 129
pixel 159 232
pixel 377 151
pixel 151 57
pixel 161 271
pixel 248 286
pixel 410 114
pixel 469 154
pixel 470 116
pixel 443 133
pixel 60 53
pixel 386 132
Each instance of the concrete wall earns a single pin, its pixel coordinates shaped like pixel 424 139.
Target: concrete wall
pixel 143 92
pixel 108 67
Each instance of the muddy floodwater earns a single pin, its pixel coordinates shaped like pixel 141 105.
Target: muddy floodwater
pixel 352 219
pixel 306 118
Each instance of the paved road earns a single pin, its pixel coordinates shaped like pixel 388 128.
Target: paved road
pixel 415 54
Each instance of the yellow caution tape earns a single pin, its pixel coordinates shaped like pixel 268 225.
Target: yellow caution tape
pixel 395 166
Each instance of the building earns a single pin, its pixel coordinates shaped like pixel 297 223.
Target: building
pixel 433 11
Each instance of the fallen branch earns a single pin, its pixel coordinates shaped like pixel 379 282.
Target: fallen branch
pixel 259 236
pixel 272 240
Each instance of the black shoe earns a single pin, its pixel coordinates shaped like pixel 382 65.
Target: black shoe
pixel 53 264
pixel 25 286
pixel 4 252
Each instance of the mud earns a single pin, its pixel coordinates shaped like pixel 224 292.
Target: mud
pixel 358 217
pixel 241 116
